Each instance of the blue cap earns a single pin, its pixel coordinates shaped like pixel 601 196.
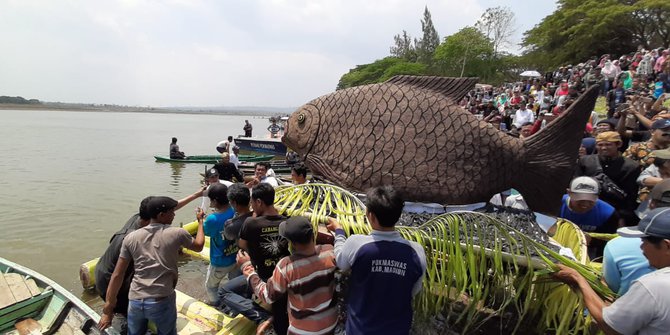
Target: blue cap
pixel 660 124
pixel 656 223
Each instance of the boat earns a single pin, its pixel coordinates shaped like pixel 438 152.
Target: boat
pixel 31 303
pixel 271 144
pixel 213 159
pixel 279 167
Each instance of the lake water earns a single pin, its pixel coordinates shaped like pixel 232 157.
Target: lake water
pixel 69 180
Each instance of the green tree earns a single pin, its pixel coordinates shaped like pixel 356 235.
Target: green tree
pixel 580 29
pixel 466 53
pixel 379 71
pixel 403 48
pixel 425 47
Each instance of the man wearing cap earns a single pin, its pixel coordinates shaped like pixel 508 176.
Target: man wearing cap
pixel 582 207
pixel 623 261
pixel 154 250
pixel 386 270
pixel 623 172
pixel 307 277
pixel 645 308
pixel 660 139
pixel 211 178
pixel 108 260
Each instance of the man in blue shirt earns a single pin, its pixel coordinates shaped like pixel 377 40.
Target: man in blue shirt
pixel 623 261
pixel 222 252
pixel 386 270
pixel 582 207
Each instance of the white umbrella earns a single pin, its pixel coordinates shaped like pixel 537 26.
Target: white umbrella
pixel 530 74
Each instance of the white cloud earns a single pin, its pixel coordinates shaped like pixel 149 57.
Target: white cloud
pixel 202 52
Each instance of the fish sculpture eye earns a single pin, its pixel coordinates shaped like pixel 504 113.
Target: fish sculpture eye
pixel 301 118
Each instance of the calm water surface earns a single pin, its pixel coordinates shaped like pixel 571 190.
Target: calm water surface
pixel 69 180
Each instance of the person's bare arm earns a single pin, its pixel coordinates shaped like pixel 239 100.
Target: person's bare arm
pixel 112 291
pixel 592 301
pixel 639 114
pixel 656 107
pixel 183 202
pixel 199 241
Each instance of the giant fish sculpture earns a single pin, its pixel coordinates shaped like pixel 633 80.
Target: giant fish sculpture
pixel 411 133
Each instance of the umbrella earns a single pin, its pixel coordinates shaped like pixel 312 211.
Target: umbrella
pixel 530 74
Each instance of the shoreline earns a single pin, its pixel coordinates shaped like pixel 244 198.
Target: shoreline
pixel 120 109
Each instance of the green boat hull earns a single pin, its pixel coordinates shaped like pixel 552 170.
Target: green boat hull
pixel 213 159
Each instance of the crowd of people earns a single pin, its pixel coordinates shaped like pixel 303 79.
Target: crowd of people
pixel 622 176
pixel 622 182
pixel 249 244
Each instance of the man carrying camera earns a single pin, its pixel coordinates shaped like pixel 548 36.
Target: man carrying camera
pixel 616 174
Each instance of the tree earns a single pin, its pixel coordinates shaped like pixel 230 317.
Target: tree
pixel 580 29
pixel 425 47
pixel 380 71
pixel 465 53
pixel 497 24
pixel 403 47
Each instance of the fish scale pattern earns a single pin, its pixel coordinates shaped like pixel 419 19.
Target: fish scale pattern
pixel 412 135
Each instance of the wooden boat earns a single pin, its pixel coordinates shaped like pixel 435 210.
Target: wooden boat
pixel 31 303
pixel 213 159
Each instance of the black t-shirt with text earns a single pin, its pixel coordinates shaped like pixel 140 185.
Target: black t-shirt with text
pixel 265 246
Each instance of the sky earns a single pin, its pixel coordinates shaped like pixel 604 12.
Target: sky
pixel 160 53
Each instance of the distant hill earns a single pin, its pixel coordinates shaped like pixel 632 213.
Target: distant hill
pixel 244 110
pixel 7 102
pixel 18 100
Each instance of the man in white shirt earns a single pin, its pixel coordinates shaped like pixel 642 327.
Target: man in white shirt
pixel 645 308
pixel 234 156
pixel 261 175
pixel 523 115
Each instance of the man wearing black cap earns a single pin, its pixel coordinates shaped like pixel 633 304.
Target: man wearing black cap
pixel 154 250
pixel 645 308
pixel 107 262
pixel 307 277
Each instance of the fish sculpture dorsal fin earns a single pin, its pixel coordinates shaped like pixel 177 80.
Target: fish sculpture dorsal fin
pixel 450 87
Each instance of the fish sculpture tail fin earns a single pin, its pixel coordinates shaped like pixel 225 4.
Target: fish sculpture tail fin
pixel 551 156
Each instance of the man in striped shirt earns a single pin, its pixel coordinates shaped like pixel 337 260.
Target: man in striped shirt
pixel 307 276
